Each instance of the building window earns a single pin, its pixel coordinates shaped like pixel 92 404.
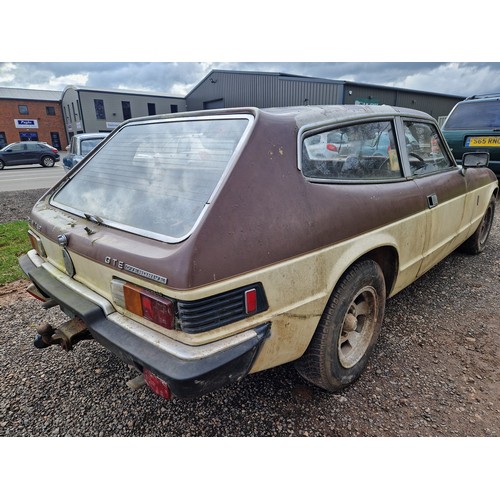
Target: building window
pixel 75 116
pixel 173 108
pixel 127 114
pixel 28 136
pixel 3 140
pixel 100 114
pixel 23 109
pixel 151 108
pixel 55 140
pixel 50 110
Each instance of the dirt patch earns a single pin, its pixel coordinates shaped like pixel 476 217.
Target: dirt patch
pixel 13 292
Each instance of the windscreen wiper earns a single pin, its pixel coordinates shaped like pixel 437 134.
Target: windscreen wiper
pixel 94 218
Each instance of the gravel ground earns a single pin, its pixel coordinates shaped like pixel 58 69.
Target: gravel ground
pixel 434 372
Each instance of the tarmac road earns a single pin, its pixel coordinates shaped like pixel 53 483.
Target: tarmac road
pixel 25 177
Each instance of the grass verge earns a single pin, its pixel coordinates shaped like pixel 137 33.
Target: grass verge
pixel 14 242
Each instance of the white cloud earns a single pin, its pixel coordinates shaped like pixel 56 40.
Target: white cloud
pixel 455 78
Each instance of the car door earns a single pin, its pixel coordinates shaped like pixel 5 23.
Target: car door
pixel 442 187
pixel 15 154
pixel 33 153
pixel 368 167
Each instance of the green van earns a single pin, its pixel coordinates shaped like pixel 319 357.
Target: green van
pixel 474 125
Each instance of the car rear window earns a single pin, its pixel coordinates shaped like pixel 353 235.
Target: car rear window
pixel 88 145
pixel 470 115
pixel 155 178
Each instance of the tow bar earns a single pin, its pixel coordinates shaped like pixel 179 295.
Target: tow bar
pixel 66 335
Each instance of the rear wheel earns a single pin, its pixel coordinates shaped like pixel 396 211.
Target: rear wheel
pixel 47 161
pixel 477 242
pixel 2 164
pixel 348 329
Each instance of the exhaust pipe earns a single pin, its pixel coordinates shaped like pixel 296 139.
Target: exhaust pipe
pixel 66 335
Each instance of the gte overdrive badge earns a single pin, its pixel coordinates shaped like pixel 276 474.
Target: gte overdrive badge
pixel 135 270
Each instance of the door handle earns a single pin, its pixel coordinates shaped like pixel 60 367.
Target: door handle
pixel 432 200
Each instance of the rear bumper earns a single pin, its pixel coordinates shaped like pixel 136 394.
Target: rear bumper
pixel 191 374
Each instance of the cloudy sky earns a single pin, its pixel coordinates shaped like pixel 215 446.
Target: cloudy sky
pixel 178 78
pixel 423 46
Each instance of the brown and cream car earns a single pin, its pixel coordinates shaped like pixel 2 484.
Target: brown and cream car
pixel 201 247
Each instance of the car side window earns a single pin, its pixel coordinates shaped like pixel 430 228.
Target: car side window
pixel 363 152
pixel 426 152
pixel 18 147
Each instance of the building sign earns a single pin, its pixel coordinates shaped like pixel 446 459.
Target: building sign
pixel 79 126
pixel 371 102
pixel 112 124
pixel 26 123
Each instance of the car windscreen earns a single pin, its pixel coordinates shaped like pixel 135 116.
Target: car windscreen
pixel 474 115
pixel 155 178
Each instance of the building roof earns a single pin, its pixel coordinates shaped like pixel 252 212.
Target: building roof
pixel 119 91
pixel 288 76
pixel 30 94
pixel 313 79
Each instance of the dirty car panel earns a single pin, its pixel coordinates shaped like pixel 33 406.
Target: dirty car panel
pixel 201 247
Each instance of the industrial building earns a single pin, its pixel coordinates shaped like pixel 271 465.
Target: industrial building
pixel 54 116
pixel 225 89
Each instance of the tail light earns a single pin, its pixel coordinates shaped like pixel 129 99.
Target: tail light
pixel 194 316
pixel 145 303
pixel 36 243
pixel 331 147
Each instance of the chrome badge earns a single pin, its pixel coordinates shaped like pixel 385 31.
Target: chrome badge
pixel 119 264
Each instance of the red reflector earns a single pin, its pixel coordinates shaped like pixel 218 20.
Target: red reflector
pixel 251 301
pixel 156 385
pixel 331 147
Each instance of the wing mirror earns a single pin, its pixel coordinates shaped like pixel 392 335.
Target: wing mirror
pixel 477 159
pixel 474 160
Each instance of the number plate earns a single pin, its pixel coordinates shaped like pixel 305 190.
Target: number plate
pixel 483 141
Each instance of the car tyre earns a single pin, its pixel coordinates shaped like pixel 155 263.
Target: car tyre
pixel 476 243
pixel 47 161
pixel 348 329
pixel 2 164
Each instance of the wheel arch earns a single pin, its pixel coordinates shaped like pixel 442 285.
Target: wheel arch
pixel 388 259
pixel 385 255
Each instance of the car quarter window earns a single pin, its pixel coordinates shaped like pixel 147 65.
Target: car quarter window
pixel 426 152
pixel 362 152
